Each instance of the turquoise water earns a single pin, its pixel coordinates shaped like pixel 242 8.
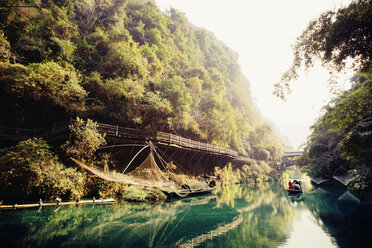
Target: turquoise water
pixel 237 216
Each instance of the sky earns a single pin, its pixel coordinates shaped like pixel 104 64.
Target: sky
pixel 262 33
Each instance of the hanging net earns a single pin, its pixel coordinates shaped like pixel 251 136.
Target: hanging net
pixel 147 174
pixel 149 171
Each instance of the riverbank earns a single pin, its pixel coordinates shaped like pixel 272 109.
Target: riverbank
pixel 100 188
pixel 31 171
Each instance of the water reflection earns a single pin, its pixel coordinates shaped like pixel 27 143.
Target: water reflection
pixel 342 216
pixel 307 233
pixel 238 216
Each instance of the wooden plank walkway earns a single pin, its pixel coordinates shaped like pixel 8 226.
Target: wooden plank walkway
pixel 119 132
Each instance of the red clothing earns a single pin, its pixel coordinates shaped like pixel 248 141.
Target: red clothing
pixel 290 185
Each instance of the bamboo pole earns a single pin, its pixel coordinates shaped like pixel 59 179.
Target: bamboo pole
pixel 34 205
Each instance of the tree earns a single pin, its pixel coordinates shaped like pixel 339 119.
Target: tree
pixel 44 82
pixel 321 157
pixel 350 114
pixel 342 137
pixel 335 38
pixel 4 48
pixel 86 140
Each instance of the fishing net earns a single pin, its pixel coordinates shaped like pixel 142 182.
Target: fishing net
pixel 147 174
pixel 149 171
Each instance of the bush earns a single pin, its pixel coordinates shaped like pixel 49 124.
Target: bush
pixel 130 192
pixel 226 174
pixel 86 140
pixel 30 169
pixel 361 185
pixel 42 82
pixel 253 173
pixel 4 48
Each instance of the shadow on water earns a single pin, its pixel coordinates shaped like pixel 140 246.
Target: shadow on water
pixel 236 216
pixel 343 216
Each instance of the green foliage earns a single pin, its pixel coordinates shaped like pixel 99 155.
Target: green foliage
pixel 321 157
pixel 4 48
pixel 123 60
pixel 350 114
pixel 334 38
pixel 44 81
pixel 264 147
pixel 29 168
pixel 342 137
pixel 66 48
pixel 86 140
pixel 253 173
pixel 361 185
pixel 257 172
pixel 127 63
pixel 226 175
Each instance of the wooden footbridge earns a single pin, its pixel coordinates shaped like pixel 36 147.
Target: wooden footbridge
pixel 194 153
pixel 62 128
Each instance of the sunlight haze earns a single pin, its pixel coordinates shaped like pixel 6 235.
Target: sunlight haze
pixel 262 33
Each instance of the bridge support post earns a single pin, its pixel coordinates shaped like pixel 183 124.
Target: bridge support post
pixel 197 164
pixel 226 161
pixel 220 160
pixel 184 154
pixel 173 154
pixel 214 159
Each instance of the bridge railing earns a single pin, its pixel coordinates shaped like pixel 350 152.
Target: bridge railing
pixel 53 129
pixel 19 132
pixel 185 142
pixel 112 130
pixel 108 129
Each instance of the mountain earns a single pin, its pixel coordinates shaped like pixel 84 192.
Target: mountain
pixel 126 63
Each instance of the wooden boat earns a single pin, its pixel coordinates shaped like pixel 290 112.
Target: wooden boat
pixel 294 191
pixel 297 187
pixel 191 190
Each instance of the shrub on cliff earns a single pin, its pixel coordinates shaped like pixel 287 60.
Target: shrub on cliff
pixel 30 169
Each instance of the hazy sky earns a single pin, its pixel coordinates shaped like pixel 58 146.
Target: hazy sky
pixel 262 33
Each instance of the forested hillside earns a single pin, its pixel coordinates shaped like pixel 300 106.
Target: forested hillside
pixel 125 62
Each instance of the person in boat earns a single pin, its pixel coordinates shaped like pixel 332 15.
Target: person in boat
pixel 290 186
pixel 297 185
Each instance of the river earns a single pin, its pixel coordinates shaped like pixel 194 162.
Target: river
pixel 237 216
